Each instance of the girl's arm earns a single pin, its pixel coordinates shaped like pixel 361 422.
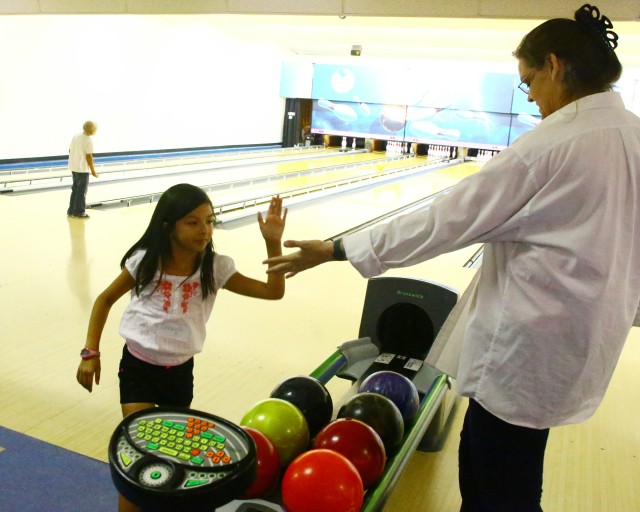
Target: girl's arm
pixel 90 368
pixel 271 227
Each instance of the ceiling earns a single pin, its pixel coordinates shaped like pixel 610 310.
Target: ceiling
pixel 477 30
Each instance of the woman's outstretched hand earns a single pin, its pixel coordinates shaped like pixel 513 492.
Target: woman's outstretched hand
pixel 310 254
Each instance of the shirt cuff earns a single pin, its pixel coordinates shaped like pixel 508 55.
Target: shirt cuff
pixel 360 254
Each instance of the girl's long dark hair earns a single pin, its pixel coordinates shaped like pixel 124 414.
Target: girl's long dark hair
pixel 174 204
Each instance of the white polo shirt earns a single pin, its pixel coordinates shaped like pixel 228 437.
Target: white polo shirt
pixel 559 213
pixel 81 146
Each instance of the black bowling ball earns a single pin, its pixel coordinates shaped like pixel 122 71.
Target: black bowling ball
pixel 311 397
pixel 380 413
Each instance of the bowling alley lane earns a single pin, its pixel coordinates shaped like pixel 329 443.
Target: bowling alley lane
pixel 282 165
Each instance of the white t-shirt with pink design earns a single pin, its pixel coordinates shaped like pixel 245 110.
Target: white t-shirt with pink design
pixel 166 324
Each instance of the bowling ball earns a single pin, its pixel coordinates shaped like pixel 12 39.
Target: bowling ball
pixel 311 397
pixel 380 413
pixel 393 118
pixel 359 443
pixel 284 425
pixel 268 462
pixel 322 481
pixel 398 388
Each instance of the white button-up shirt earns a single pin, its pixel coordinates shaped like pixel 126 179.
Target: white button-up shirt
pixel 559 213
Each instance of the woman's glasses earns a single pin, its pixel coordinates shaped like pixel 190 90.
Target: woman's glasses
pixel 523 86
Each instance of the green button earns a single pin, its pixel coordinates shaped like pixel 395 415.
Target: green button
pixel 195 483
pixel 167 423
pixel 179 427
pixel 219 439
pixel 207 435
pixel 152 446
pixel 184 456
pixel 168 451
pixel 197 460
pixel 125 459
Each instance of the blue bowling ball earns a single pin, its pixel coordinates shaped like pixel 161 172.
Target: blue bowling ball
pixel 397 388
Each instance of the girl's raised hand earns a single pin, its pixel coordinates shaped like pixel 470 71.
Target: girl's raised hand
pixel 272 225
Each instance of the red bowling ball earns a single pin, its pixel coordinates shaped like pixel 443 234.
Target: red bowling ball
pixel 397 388
pixel 268 461
pixel 359 443
pixel 322 481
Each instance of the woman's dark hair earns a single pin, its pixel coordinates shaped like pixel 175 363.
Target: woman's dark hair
pixel 586 45
pixel 174 204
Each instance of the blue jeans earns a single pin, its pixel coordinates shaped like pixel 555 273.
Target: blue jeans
pixel 500 464
pixel 77 203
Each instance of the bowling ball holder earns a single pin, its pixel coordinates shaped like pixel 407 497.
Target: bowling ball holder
pixel 169 459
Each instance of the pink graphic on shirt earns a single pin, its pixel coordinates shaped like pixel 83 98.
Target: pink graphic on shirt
pixel 188 290
pixel 165 289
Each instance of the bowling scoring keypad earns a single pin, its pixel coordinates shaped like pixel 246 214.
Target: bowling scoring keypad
pixel 196 442
pixel 206 449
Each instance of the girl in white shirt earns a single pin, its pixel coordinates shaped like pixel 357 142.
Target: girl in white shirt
pixel 173 274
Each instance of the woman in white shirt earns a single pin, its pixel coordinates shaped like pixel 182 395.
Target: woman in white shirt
pixel 559 214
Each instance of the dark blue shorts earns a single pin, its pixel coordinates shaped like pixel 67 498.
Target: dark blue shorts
pixel 142 382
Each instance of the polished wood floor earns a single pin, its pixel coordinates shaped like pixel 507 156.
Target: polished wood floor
pixel 53 268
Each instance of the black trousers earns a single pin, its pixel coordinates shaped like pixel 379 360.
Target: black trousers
pixel 500 464
pixel 77 201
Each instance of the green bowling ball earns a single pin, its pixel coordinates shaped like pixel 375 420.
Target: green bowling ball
pixel 284 425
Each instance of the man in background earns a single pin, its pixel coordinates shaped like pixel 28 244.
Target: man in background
pixel 80 164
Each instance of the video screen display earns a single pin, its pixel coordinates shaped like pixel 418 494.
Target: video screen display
pixel 425 105
pixel 359 119
pixel 452 88
pixel 413 124
pixel 458 127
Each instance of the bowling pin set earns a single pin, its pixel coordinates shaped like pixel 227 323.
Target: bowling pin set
pixel 343 145
pixel 485 154
pixel 395 147
pixel 449 152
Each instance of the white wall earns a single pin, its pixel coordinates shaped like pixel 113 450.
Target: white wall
pixel 150 82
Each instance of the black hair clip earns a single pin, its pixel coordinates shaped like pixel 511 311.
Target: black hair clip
pixel 589 16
